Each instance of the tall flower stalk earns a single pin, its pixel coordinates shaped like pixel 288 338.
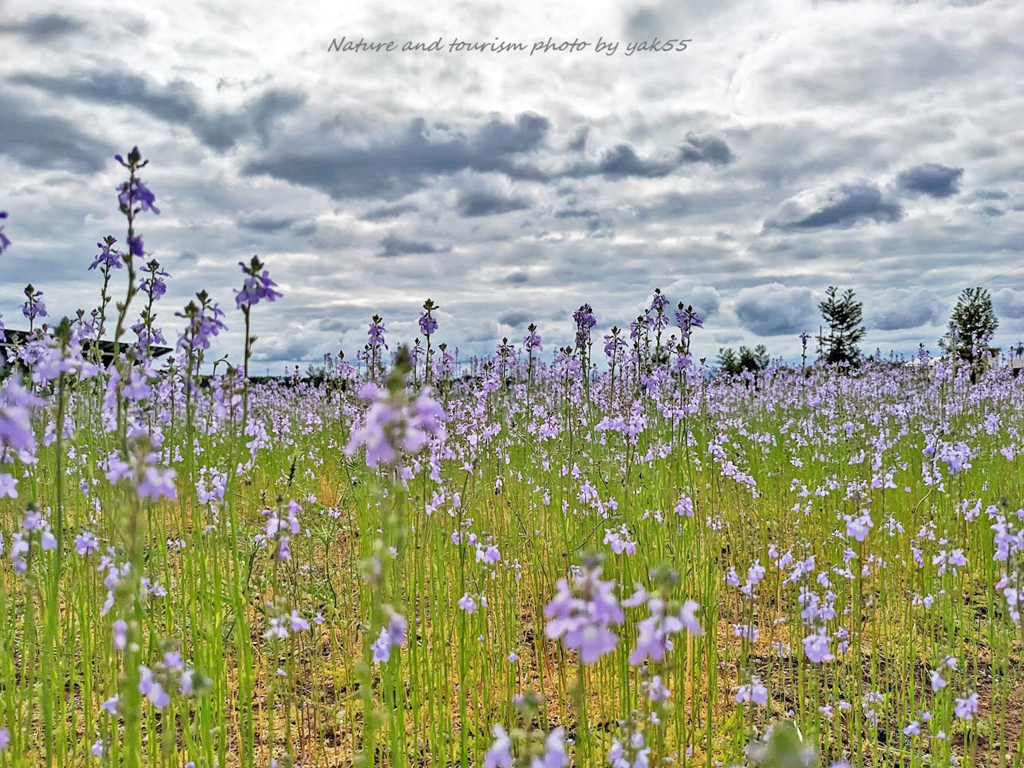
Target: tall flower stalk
pixel 428 327
pixel 395 424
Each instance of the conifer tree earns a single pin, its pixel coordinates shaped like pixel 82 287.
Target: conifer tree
pixel 842 315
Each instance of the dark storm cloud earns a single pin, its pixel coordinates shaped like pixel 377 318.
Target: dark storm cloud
pixel 498 137
pixel 841 206
pixel 1008 302
pixel 579 141
pixel 476 203
pixel 706 149
pixel 517 278
pixel 643 23
pixel 406 162
pixel 930 179
pixel 396 246
pixel 990 194
pixel 43 29
pixel 334 324
pixel 515 318
pixel 661 19
pixel 574 213
pixel 177 103
pixel 623 161
pixel 42 141
pixel 394 167
pixel 268 224
pixel 775 310
pixel 265 223
pixel 268 107
pixel 384 212
pixel 903 319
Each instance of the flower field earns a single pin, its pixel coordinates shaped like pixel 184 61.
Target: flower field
pixel 604 554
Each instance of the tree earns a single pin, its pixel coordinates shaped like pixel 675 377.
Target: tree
pixel 728 361
pixel 971 325
pixel 843 316
pixel 756 359
pixel 752 360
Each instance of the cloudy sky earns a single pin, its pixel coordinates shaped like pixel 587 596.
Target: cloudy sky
pixel 792 145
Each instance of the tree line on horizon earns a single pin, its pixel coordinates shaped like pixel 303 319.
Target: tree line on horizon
pixel 969 331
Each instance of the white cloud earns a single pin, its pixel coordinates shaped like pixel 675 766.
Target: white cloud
pixel 899 308
pixel 776 310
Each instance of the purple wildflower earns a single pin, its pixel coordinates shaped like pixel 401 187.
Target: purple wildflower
pixel 257 287
pixel 633 753
pixel 8 487
pixel 428 325
pixel 967 707
pixel 120 634
pixel 392 424
pixel 554 755
pixel 585 321
pixel 134 192
pixel 375 336
pixel 532 339
pixel 858 527
pixel 152 689
pixel 816 647
pixel 135 246
pixel 107 258
pixel 111 705
pixel 755 692
pixel 158 484
pixel 654 634
pixel 34 306
pixel 154 285
pixel 391 636
pixel 86 543
pixel 687 319
pixel 4 242
pixel 582 616
pixel 204 324
pixel 500 753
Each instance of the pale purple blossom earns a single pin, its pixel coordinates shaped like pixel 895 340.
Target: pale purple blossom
pixel 816 647
pixel 753 692
pixel 152 689
pixel 581 616
pixel 967 707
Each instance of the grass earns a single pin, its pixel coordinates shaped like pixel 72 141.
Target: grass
pixel 304 698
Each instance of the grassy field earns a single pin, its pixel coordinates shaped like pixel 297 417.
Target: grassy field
pixel 512 561
pixel 855 509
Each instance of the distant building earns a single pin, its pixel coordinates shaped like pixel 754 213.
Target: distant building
pixel 14 339
pixel 927 364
